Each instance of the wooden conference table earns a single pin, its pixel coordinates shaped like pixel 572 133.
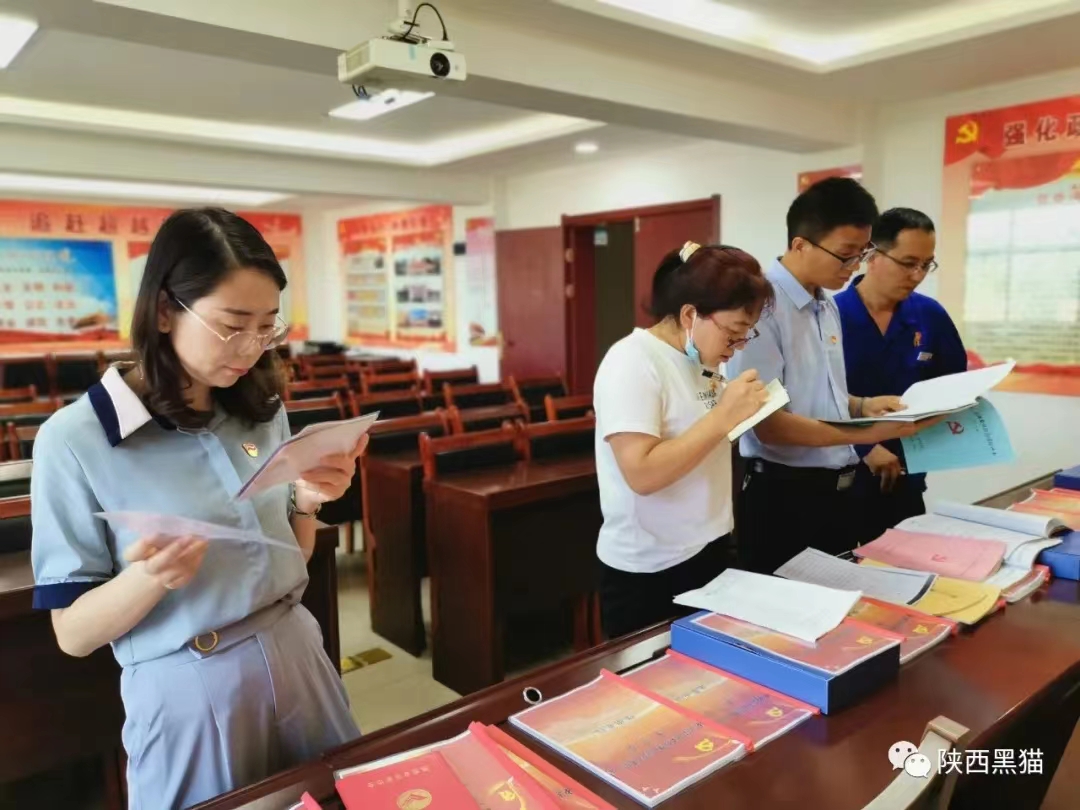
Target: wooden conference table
pixel 56 710
pixel 1014 680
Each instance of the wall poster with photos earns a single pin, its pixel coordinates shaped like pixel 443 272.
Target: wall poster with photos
pixel 69 274
pixel 398 273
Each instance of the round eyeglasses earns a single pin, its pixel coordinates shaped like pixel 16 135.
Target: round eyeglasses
pixel 247 341
pixel 912 266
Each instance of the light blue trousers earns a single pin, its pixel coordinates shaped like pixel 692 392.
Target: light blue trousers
pixel 201 725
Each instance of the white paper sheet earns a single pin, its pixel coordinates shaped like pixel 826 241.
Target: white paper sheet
pixel 1007 576
pixel 149 524
pixel 778 398
pixel 948 394
pixel 1021 522
pixel 889 584
pixel 304 451
pixel 794 608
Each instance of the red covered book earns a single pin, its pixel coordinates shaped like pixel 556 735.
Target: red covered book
pixel 423 783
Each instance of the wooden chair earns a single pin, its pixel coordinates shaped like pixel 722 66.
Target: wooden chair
pixel 309 360
pixel 304 412
pixel 546 440
pixel 471 420
pixel 477 396
pixel 15 478
pixel 392 405
pixel 908 792
pixel 391 436
pixel 431 402
pixel 457 452
pixel 23 370
pixel 454 453
pixel 322 372
pixel 435 380
pixel 74 373
pixel 15 529
pixel 110 356
pixel 384 366
pixel 11 395
pixel 314 389
pixel 568 407
pixel 20 441
pixel 381 383
pixel 533 392
pixel 29 413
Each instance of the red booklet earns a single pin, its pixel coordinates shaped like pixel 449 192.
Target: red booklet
pixel 568 793
pixel 423 783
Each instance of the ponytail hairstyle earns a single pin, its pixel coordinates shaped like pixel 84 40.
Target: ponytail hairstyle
pixel 713 278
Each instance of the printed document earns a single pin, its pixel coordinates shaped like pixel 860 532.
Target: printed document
pixel 796 609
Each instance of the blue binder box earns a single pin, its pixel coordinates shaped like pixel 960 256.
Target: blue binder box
pixel 830 693
pixel 1068 479
pixel 1064 560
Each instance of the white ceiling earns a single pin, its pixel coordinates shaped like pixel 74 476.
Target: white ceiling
pixel 820 36
pixel 87 70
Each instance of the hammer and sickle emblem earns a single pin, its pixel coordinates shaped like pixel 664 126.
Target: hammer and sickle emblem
pixel 967 132
pixel 955 428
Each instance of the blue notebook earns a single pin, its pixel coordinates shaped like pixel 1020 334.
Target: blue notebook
pixel 1064 560
pixel 1068 479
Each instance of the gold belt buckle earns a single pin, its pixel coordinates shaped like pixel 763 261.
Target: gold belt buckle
pixel 214 638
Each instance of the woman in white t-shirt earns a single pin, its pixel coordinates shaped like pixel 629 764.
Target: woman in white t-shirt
pixel 663 413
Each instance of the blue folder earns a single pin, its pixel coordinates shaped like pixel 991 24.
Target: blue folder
pixel 1068 479
pixel 830 693
pixel 1064 560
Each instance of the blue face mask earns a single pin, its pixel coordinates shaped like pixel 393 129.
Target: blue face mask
pixel 692 350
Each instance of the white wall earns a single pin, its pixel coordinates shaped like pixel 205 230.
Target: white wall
pixel 326 288
pixel 905 156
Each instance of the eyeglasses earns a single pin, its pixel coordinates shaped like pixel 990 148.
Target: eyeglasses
pixel 846 261
pixel 247 341
pixel 927 267
pixel 740 342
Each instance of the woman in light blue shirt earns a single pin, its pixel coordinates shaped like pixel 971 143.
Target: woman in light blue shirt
pixel 225 680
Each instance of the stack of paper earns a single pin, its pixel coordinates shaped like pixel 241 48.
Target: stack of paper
pixel 793 608
pixel 1062 505
pixel 891 585
pixel 959 557
pixel 1024 536
pixel 948 394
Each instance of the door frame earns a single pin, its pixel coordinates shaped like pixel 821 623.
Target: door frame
pixel 579 259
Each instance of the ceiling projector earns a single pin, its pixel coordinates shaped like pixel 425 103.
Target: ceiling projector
pixel 403 60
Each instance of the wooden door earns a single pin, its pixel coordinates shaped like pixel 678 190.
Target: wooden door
pixel 658 232
pixel 531 292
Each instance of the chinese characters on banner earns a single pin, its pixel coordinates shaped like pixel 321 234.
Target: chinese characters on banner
pixel 398 275
pixel 480 304
pixel 807 179
pixel 1011 216
pixel 70 273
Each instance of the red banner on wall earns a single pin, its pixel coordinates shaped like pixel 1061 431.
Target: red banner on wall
pixel 994 132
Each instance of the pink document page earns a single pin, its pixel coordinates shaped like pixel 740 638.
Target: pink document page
pixel 958 557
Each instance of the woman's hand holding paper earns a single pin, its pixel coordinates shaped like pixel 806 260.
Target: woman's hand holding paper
pixel 329 480
pixel 171 562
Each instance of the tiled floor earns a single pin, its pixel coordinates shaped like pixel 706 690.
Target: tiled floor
pixel 390 691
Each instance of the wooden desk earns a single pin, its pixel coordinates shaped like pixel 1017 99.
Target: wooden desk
pixel 503 540
pixel 56 709
pixel 396 510
pixel 1014 681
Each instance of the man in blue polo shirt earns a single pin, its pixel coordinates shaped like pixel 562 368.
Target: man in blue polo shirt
pixel 894 337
